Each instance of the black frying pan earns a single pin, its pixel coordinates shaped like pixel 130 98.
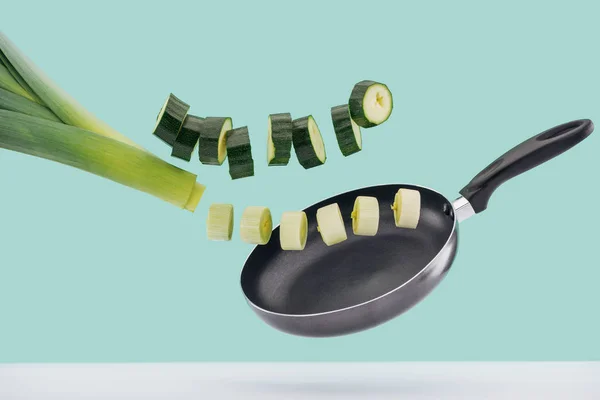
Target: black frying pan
pixel 365 281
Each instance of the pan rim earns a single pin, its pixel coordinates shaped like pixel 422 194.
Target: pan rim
pixel 452 233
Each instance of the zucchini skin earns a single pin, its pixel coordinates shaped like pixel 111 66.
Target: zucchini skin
pixel 307 157
pixel 342 125
pixel 356 103
pixel 239 153
pixel 281 135
pixel 172 119
pixel 187 138
pixel 208 148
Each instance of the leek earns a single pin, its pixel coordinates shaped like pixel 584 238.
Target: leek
pixel 12 102
pixel 8 82
pixel 99 155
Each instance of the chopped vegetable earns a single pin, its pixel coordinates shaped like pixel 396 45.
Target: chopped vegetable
pixel 331 224
pixel 407 208
pixel 99 155
pixel 365 216
pixel 279 142
pixel 213 143
pixel 308 142
pixel 370 103
pixel 219 224
pixel 256 225
pixel 293 230
pixel 13 102
pixel 239 153
pixel 170 119
pixel 187 139
pixel 347 132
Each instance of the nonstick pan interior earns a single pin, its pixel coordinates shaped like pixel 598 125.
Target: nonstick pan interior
pixel 320 278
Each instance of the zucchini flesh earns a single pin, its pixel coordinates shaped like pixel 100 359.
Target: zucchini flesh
pixel 239 153
pixel 170 119
pixel 13 102
pixel 407 208
pixel 370 103
pixel 308 142
pixel 347 132
pixel 293 230
pixel 279 141
pixel 212 149
pixel 219 223
pixel 365 216
pixel 187 139
pixel 256 225
pixel 331 224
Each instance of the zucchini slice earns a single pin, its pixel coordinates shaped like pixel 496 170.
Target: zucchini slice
pixel 347 132
pixel 331 224
pixel 187 139
pixel 256 225
pixel 219 223
pixel 279 141
pixel 308 142
pixel 370 103
pixel 407 208
pixel 239 153
pixel 170 119
pixel 293 230
pixel 365 216
pixel 213 144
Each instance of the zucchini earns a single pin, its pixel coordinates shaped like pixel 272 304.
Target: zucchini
pixel 365 216
pixel 293 230
pixel 331 224
pixel 407 208
pixel 239 152
pixel 256 225
pixel 347 132
pixel 187 139
pixel 370 103
pixel 170 119
pixel 213 144
pixel 219 223
pixel 279 141
pixel 308 142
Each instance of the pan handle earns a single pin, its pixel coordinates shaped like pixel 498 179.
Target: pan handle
pixel 523 157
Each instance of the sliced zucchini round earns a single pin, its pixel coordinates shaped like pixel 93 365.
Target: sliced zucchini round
pixel 187 139
pixel 279 141
pixel 219 223
pixel 293 230
pixel 347 132
pixel 365 216
pixel 407 208
pixel 239 153
pixel 256 225
pixel 331 224
pixel 212 148
pixel 370 103
pixel 170 119
pixel 308 142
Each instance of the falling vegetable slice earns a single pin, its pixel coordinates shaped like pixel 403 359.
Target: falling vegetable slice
pixel 407 208
pixel 187 139
pixel 256 225
pixel 239 153
pixel 331 224
pixel 13 102
pixel 370 103
pixel 308 142
pixel 170 119
pixel 279 142
pixel 213 143
pixel 99 155
pixel 347 132
pixel 293 230
pixel 365 216
pixel 219 224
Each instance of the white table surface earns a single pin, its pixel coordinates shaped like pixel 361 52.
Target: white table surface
pixel 292 381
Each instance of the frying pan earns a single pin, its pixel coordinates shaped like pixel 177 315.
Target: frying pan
pixel 367 280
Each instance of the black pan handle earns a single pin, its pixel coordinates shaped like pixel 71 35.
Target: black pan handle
pixel 523 157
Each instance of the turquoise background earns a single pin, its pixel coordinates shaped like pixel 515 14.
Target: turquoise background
pixel 93 271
